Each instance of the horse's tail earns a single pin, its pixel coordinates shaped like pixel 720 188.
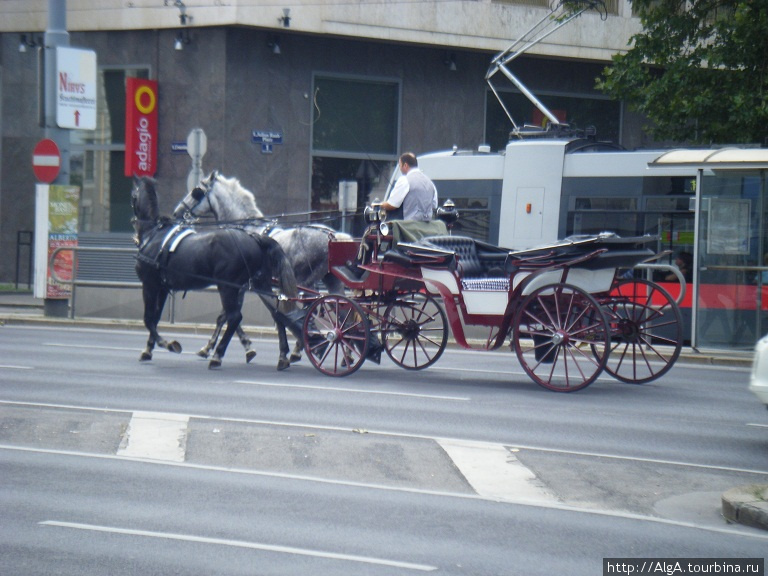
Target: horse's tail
pixel 282 270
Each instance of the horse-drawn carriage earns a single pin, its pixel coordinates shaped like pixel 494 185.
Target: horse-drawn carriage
pixel 568 310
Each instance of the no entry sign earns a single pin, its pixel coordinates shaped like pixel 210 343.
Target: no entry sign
pixel 46 161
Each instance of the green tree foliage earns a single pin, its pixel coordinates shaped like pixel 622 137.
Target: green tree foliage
pixel 698 71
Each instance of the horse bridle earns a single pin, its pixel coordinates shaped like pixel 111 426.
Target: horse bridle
pixel 200 193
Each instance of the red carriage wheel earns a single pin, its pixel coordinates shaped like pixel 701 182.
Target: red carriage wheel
pixel 336 335
pixel 647 331
pixel 415 331
pixel 561 337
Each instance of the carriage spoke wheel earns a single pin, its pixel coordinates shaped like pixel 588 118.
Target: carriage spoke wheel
pixel 557 330
pixel 647 331
pixel 415 331
pixel 336 332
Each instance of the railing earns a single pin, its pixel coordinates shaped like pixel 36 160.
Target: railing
pixel 74 282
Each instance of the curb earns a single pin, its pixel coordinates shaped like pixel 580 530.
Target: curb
pixel 747 505
pixel 21 314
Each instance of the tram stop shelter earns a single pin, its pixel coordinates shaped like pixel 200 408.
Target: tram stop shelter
pixel 729 295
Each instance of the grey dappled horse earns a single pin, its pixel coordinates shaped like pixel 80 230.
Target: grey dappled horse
pixel 306 247
pixel 173 257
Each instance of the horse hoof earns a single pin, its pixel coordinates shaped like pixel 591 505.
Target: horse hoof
pixel 145 357
pixel 214 363
pixel 282 364
pixel 295 358
pixel 174 347
pixel 250 355
pixel 203 353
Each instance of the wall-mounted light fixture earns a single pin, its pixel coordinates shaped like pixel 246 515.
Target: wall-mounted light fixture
pixel 285 18
pixel 274 44
pixel 449 59
pixel 26 42
pixel 182 38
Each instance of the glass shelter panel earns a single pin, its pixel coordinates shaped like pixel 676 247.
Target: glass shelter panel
pixel 732 287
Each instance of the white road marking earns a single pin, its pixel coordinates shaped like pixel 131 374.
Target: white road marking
pixel 357 390
pixel 155 436
pixel 735 530
pixel 11 367
pixel 243 544
pixel 495 473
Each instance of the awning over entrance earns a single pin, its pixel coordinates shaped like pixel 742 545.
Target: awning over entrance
pixel 720 158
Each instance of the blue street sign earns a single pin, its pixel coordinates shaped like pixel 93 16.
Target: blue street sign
pixel 267 137
pixel 179 147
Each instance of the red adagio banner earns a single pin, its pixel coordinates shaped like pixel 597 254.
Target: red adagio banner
pixel 140 127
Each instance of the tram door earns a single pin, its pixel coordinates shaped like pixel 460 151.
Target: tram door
pixel 732 300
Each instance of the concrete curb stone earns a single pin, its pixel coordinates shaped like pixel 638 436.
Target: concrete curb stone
pixel 747 505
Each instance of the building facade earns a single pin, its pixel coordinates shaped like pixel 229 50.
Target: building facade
pixel 293 98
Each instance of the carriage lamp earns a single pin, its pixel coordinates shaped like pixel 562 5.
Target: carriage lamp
pixel 28 42
pixel 286 18
pixel 182 38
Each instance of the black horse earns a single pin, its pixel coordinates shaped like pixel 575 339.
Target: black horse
pixel 172 257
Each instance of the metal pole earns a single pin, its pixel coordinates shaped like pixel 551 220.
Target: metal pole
pixel 55 35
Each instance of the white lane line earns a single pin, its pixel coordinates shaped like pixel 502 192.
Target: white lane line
pixel 357 390
pixel 155 436
pixel 12 367
pixel 756 425
pixel 440 494
pixel 90 347
pixel 495 473
pixel 243 544
pixel 315 426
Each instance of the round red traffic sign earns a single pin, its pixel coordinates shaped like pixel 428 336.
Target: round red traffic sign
pixel 46 160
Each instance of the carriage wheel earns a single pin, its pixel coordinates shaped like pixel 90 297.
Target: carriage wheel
pixel 647 331
pixel 415 331
pixel 557 330
pixel 336 332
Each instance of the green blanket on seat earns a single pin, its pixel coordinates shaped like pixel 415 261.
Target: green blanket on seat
pixel 412 230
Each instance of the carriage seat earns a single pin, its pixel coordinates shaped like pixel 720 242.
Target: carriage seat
pixel 481 266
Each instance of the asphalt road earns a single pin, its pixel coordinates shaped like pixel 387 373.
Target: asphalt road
pixel 110 466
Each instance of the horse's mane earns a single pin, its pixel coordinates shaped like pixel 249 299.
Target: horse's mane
pixel 242 198
pixel 149 185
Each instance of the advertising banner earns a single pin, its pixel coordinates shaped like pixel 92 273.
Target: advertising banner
pixel 55 227
pixel 141 127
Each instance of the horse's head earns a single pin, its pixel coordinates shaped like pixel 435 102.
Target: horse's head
pixel 192 203
pixel 144 204
pixel 144 198
pixel 223 198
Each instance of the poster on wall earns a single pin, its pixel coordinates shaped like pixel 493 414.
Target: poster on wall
pixel 55 227
pixel 729 227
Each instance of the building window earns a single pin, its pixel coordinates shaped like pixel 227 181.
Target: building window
pixel 355 136
pixel 97 158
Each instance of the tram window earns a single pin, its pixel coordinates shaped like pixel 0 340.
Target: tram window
pixel 605 203
pixel 474 217
pixel 594 222
pixel 672 186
